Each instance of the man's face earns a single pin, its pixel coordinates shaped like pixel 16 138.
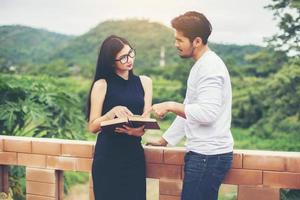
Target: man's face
pixel 183 45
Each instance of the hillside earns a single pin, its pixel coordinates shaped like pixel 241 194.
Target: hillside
pixel 27 45
pixel 21 44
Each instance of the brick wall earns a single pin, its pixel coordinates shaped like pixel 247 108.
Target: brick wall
pixel 258 174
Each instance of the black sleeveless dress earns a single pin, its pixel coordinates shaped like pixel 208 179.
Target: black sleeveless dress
pixel 118 168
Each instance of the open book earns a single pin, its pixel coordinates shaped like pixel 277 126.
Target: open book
pixel 132 121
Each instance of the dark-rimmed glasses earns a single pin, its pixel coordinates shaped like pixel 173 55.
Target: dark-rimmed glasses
pixel 124 58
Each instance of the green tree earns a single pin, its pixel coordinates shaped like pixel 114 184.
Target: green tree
pixel 265 62
pixel 287 12
pixel 38 107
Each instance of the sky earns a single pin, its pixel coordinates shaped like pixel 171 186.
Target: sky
pixel 234 21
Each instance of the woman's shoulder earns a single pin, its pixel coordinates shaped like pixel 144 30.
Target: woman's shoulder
pixel 145 79
pixel 100 84
pixel 146 82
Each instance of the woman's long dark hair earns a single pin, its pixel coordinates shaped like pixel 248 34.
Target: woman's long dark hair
pixel 109 49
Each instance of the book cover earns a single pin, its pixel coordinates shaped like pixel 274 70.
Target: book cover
pixel 133 121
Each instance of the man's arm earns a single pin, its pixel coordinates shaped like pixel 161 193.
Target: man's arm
pixel 176 131
pixel 173 134
pixel 161 109
pixel 206 108
pixel 209 98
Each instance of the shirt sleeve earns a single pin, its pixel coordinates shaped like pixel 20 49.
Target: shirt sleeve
pixel 207 106
pixel 175 132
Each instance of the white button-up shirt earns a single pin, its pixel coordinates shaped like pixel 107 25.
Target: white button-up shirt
pixel 207 109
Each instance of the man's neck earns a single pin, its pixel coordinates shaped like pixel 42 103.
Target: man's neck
pixel 199 52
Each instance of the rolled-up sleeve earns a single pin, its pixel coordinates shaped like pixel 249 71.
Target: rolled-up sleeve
pixel 175 132
pixel 209 96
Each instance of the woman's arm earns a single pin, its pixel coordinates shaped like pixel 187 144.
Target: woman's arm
pixel 97 99
pixel 147 85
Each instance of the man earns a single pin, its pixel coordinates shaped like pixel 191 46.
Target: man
pixel 205 116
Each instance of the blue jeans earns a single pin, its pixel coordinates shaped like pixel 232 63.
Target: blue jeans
pixel 203 175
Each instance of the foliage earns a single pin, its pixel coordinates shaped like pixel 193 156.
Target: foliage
pixel 287 12
pixel 72 178
pixel 287 194
pixel 247 107
pixel 40 107
pixel 266 62
pixel 281 102
pixel 34 107
pixel 17 182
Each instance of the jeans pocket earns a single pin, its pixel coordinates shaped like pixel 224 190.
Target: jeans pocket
pixel 193 169
pixel 222 166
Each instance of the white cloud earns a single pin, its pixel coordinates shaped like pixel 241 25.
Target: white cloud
pixel 234 21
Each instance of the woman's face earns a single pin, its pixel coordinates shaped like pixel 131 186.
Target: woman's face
pixel 125 59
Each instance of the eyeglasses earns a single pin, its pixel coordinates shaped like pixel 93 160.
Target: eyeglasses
pixel 124 58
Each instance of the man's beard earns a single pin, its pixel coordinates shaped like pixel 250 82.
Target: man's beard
pixel 189 55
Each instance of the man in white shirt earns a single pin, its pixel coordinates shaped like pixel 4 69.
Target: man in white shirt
pixel 205 115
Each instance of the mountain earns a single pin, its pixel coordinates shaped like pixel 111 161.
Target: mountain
pixel 21 44
pixel 148 38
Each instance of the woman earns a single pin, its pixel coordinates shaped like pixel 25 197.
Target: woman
pixel 118 169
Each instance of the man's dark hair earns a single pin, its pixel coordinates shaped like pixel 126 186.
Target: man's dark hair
pixel 193 24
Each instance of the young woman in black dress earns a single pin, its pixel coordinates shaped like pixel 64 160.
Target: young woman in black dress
pixel 118 168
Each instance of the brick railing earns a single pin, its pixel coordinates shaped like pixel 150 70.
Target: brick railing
pixel 258 174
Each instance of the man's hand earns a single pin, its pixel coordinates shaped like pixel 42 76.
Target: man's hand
pixel 138 132
pixel 160 142
pixel 161 109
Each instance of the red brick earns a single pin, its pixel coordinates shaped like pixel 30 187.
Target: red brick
pixel 43 189
pixel 37 197
pixel 257 193
pixel 163 171
pixel 170 187
pixel 8 158
pixel 153 154
pixel 84 164
pixel 173 156
pixel 243 177
pixel 264 162
pixel 293 164
pixel 77 149
pixel 62 163
pixel 31 160
pixel 40 175
pixel 46 147
pixel 237 161
pixel 281 179
pixel 17 144
pixel 168 197
pixel 1 144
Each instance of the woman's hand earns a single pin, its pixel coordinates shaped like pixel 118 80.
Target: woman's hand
pixel 119 111
pixel 138 132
